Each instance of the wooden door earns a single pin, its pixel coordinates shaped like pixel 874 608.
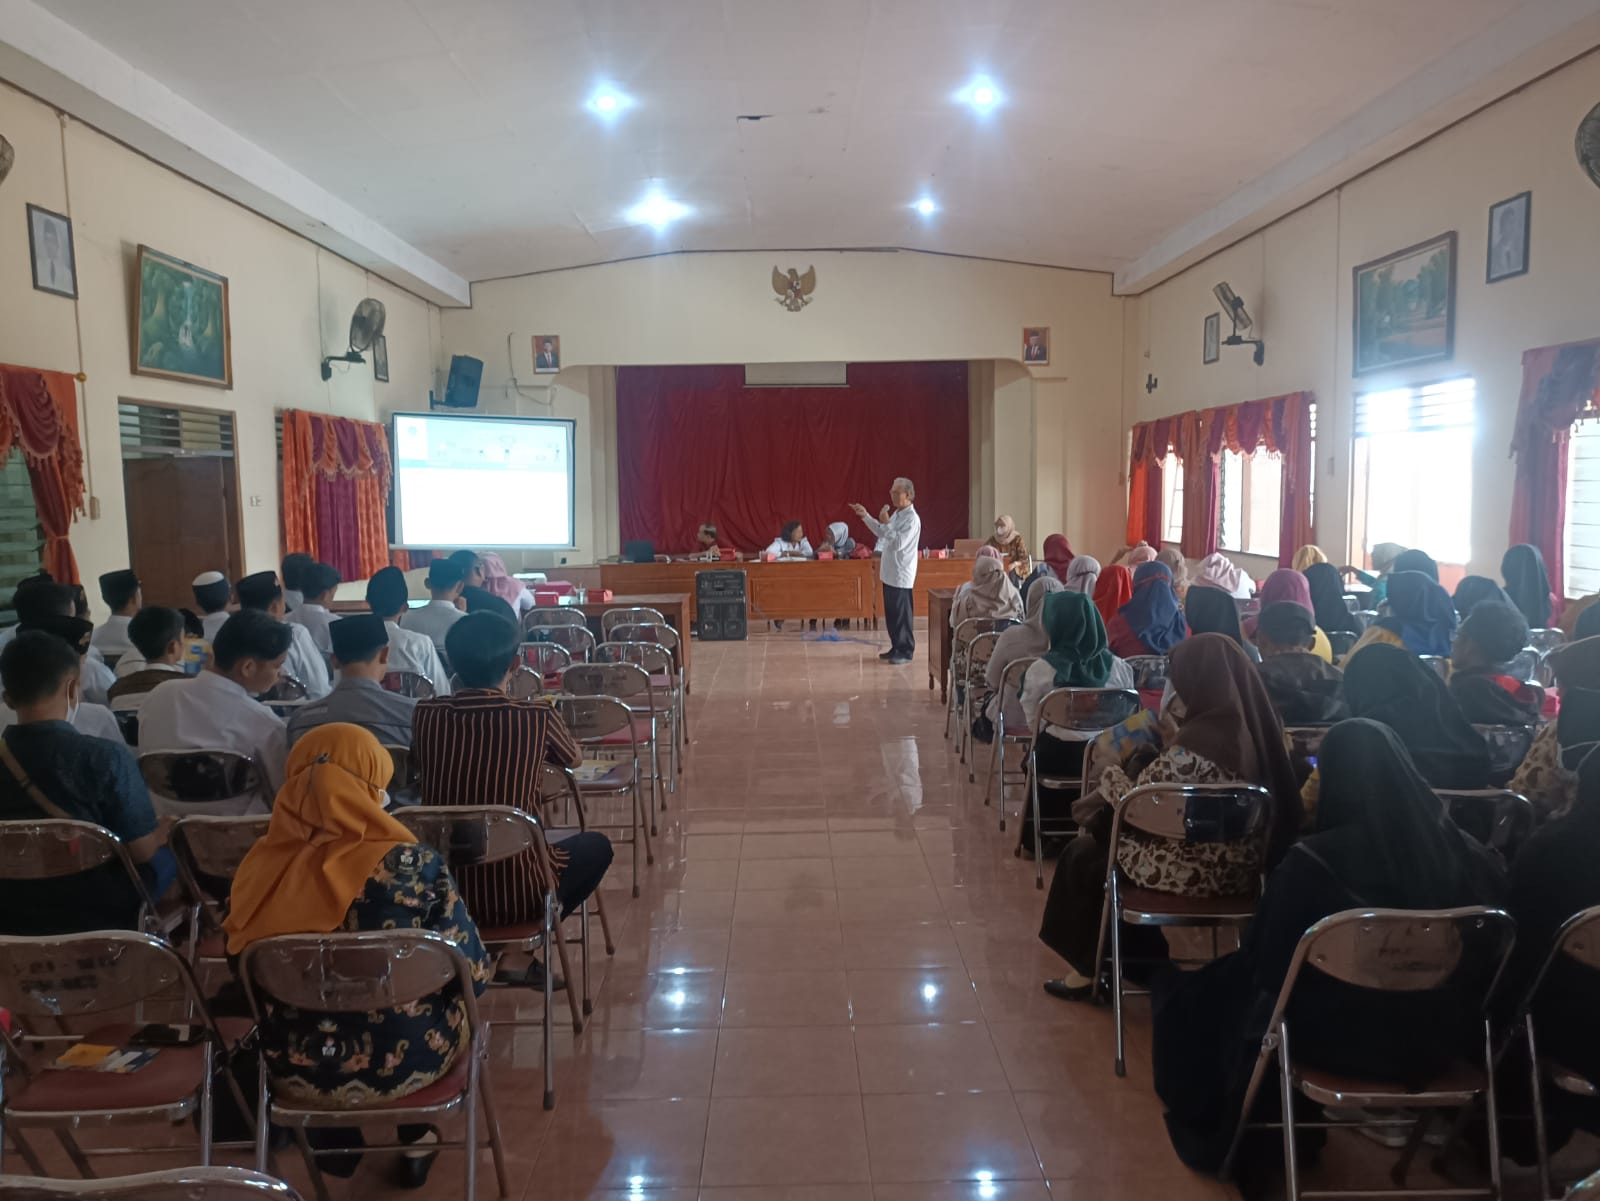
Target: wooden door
pixel 183 518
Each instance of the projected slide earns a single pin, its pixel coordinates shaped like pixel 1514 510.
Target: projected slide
pixel 482 481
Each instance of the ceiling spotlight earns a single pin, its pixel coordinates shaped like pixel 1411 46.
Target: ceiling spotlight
pixel 657 211
pixel 926 206
pixel 608 102
pixel 981 94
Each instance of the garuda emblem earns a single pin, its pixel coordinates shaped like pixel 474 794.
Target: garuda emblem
pixel 793 289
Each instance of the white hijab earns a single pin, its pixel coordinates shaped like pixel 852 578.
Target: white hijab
pixel 1082 574
pixel 838 533
pixel 991 594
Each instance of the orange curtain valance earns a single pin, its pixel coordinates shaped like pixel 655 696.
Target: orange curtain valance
pixel 39 417
pixel 335 493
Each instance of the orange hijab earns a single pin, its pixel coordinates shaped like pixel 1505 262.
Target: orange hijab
pixel 1113 590
pixel 328 833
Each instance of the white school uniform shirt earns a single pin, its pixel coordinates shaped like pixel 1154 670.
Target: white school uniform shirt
pixel 316 619
pixel 212 713
pixel 212 622
pixel 112 637
pixel 293 598
pixel 783 549
pixel 413 651
pixel 93 720
pixel 433 619
pixel 898 539
pixel 306 663
pixel 95 678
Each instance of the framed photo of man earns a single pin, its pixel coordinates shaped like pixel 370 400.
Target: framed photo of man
pixel 1510 231
pixel 55 267
pixel 547 353
pixel 1036 345
pixel 380 360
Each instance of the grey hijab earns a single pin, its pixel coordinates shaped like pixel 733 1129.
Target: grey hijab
pixel 1028 640
pixel 1082 574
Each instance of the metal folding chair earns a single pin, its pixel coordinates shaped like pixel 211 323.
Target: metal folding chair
pixel 1010 729
pixel 524 684
pixel 1184 816
pixel 406 777
pixel 1089 711
pixel 549 659
pixel 1366 617
pixel 549 616
pixel 576 640
pixel 1508 747
pixel 53 848
pixel 662 635
pixel 1389 950
pixel 1587 1189
pixel 979 652
pixel 1149 672
pixel 1546 641
pixel 93 988
pixel 179 1184
pixel 1497 817
pixel 360 973
pixel 1341 642
pixel 656 660
pixel 631 615
pixel 1353 603
pixel 632 685
pixel 1525 665
pixel 1439 665
pixel 557 788
pixel 605 725
pixel 284 697
pixel 960 643
pixel 1306 741
pixel 409 683
pixel 218 783
pixel 209 851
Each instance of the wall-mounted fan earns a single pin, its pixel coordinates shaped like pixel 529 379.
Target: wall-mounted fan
pixel 8 156
pixel 365 328
pixel 1240 317
pixel 1589 144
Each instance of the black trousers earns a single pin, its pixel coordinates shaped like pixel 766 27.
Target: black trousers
pixel 897 616
pixel 588 856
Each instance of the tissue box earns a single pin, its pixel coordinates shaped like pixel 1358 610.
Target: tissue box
pixel 546 596
pixel 768 557
pixel 824 555
pixel 603 595
pixel 941 554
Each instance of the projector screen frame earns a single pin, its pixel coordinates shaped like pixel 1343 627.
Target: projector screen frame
pixel 571 425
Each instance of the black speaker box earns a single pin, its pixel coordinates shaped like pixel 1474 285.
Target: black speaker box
pixel 722 620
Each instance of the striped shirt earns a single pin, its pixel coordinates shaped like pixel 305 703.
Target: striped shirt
pixel 481 747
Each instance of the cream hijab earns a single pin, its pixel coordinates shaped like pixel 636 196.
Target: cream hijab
pixel 991 594
pixel 1082 575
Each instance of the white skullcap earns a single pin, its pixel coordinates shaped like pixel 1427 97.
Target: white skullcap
pixel 208 577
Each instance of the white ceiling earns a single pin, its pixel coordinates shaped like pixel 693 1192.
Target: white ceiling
pixel 460 126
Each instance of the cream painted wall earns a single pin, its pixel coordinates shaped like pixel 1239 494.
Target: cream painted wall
pixel 1052 448
pixel 290 303
pixel 1295 277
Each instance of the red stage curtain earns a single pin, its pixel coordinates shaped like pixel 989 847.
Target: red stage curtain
pixel 695 445
pixel 1558 384
pixel 39 417
pixel 335 491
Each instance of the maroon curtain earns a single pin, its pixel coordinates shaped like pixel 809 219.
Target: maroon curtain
pixel 1558 383
pixel 695 445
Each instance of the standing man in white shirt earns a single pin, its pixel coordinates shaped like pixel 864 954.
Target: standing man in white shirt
pixel 121 592
pixel 211 593
pixel 260 593
pixel 388 598
pixel 217 709
pixel 899 532
pixel 445 580
pixel 318 582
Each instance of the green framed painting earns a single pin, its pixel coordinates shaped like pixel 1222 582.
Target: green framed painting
pixel 1405 306
pixel 181 328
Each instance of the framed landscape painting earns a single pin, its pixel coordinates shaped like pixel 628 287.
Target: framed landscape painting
pixel 181 321
pixel 1405 306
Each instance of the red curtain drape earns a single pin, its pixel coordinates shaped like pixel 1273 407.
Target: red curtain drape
pixel 39 417
pixel 1280 425
pixel 1558 384
pixel 336 491
pixel 695 445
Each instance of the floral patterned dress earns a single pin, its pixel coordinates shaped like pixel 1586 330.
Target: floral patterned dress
pixel 340 1059
pixel 1551 788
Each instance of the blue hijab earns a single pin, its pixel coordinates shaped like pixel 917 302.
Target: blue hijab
pixel 1421 612
pixel 1154 615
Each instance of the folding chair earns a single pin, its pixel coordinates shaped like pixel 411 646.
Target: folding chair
pixel 409 683
pixel 1186 817
pixel 406 777
pixel 1587 1189
pixel 606 724
pixel 979 652
pixel 631 685
pixel 631 615
pixel 549 659
pixel 662 635
pixel 55 848
pixel 656 660
pixel 1389 951
pixel 524 684
pixel 1525 664
pixel 475 835
pixel 1366 617
pixel 960 643
pixel 284 697
pixel 128 724
pixel 1341 642
pixel 1009 714
pixel 1088 711
pixel 1508 747
pixel 558 786
pixel 209 851
pixel 1546 642
pixel 217 783
pixel 1306 741
pixel 1497 817
pixel 550 616
pixel 189 1184
pixel 1352 603
pixel 1439 665
pixel 360 973
pixel 93 988
pixel 576 640
pixel 1149 672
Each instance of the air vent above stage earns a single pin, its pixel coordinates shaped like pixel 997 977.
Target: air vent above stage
pixel 794 375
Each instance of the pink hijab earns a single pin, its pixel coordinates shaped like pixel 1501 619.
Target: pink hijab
pixel 1138 555
pixel 498 580
pixel 988 552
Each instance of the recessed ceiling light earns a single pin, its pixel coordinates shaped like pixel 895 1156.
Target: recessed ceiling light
pixel 606 101
pixel 981 94
pixel 656 210
pixel 926 206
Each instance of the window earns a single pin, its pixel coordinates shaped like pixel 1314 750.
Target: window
pixel 1252 490
pixel 1413 469
pixel 1581 538
pixel 1172 499
pixel 21 537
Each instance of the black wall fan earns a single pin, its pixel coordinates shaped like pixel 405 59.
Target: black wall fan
pixel 1589 145
pixel 365 329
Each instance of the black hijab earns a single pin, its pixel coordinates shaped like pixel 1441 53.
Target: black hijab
pixel 1416 560
pixel 1212 611
pixel 1588 625
pixel 1389 684
pixel 1327 599
pixel 1474 590
pixel 1527 583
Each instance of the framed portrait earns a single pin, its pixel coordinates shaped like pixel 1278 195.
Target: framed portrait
pixel 1510 226
pixel 1036 345
pixel 181 326
pixel 1405 306
pixel 546 353
pixel 1211 340
pixel 50 250
pixel 380 360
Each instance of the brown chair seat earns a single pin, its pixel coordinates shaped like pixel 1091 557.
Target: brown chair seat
pixel 171 1078
pixel 1148 901
pixel 1455 1086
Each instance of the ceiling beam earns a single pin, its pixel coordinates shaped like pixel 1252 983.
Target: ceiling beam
pixel 1520 48
pixel 64 67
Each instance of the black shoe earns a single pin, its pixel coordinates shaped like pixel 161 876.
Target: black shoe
pixel 813 623
pixel 899 660
pixel 887 655
pixel 1061 990
pixel 412 1168
pixel 531 976
pixel 777 625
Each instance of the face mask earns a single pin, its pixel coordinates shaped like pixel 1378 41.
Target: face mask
pixel 72 711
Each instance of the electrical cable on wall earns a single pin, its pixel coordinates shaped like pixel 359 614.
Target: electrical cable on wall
pixel 522 390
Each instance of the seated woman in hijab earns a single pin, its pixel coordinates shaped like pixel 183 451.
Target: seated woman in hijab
pixel 1056 561
pixel 1421 617
pixel 1390 685
pixel 1528 584
pixel 1382 840
pixel 1082 575
pixel 1474 590
pixel 989 594
pixel 499 580
pixel 1542 778
pixel 1013 550
pixel 1328 609
pixel 1112 590
pixel 1383 556
pixel 333 860
pixel 1490 637
pixel 1209 610
pixel 1151 621
pixel 1226 731
pixel 838 541
pixel 1307 556
pixel 1305 689
pixel 1131 556
pixel 1221 572
pixel 1285 586
pixel 1179 567
pixel 1025 641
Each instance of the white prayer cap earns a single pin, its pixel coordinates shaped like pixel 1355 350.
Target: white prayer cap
pixel 208 577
